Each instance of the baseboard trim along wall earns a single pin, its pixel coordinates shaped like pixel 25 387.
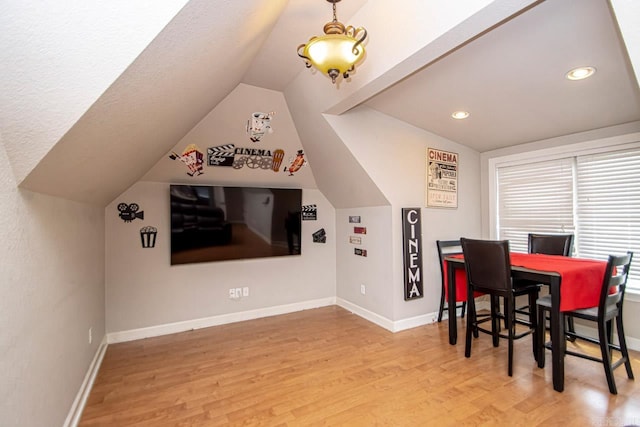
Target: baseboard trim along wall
pixel 73 418
pixel 188 325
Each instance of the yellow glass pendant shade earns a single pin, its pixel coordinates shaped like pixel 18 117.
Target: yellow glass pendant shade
pixel 337 51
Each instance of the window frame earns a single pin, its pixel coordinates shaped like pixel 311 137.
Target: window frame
pixel 595 146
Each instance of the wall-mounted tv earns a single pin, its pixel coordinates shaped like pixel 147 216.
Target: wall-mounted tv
pixel 216 223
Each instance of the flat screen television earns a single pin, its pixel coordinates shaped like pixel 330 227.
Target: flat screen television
pixel 216 223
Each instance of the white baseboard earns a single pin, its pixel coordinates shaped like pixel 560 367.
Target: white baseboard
pixel 188 325
pixel 73 418
pixel 390 325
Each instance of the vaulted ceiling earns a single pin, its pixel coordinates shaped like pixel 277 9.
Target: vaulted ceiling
pixel 93 93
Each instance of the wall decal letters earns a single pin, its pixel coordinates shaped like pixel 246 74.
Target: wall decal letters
pixel 412 243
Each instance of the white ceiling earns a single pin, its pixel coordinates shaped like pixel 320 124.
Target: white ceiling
pixel 87 101
pixel 511 79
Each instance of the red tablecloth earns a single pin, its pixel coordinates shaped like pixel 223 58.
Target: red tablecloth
pixel 581 278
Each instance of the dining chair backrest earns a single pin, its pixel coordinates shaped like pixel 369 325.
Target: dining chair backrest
pixel 551 244
pixel 446 248
pixel 614 282
pixel 488 264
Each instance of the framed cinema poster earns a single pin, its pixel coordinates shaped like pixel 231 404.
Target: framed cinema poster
pixel 442 179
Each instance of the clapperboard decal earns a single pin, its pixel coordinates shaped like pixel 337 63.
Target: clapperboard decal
pixel 309 213
pixel 222 155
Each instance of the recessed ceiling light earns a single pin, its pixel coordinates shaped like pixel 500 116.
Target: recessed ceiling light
pixel 460 115
pixel 580 73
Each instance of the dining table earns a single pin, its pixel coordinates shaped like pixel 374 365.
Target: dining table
pixel 574 283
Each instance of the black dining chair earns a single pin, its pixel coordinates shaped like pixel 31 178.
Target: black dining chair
pixel 488 267
pixel 548 244
pixel 447 248
pixel 608 310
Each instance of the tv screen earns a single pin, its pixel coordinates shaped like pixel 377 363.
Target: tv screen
pixel 216 223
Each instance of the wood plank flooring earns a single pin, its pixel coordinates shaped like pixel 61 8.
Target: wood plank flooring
pixel 329 367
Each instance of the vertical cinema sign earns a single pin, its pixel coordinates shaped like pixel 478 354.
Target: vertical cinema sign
pixel 412 243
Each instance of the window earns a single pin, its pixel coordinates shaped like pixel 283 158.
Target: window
pixel 596 196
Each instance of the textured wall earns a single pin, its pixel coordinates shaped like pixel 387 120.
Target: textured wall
pixel 51 293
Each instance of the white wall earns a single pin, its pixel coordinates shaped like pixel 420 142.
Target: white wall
pixel 394 155
pixel 58 58
pixel 144 291
pixel 51 293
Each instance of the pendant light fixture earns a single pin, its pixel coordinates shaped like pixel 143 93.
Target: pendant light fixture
pixel 337 51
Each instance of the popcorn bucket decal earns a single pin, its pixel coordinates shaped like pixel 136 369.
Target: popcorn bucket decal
pixel 148 236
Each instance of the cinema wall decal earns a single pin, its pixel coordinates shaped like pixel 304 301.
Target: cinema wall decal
pixel 412 244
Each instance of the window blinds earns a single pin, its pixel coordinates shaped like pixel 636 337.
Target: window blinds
pixel 596 197
pixel 534 197
pixel 608 208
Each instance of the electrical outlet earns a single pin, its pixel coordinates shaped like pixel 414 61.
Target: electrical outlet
pixel 363 289
pixel 232 293
pixel 90 335
pixel 245 291
pixel 238 292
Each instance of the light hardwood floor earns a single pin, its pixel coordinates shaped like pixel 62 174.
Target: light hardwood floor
pixel 329 367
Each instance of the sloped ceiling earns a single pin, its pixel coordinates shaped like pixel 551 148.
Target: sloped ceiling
pixel 90 104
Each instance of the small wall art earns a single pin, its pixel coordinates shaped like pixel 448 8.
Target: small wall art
pixel 354 219
pixel 221 155
pixel 259 124
pixel 309 213
pixel 442 179
pixel 355 240
pixel 360 252
pixel 412 255
pixel 296 163
pixel 360 230
pixel 253 158
pixel 193 157
pixel 129 212
pixel 320 236
pixel 148 236
pixel 278 156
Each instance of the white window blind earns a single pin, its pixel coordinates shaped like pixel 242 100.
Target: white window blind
pixel 595 196
pixel 534 197
pixel 608 189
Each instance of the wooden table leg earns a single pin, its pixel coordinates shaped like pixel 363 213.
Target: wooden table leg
pixel 558 343
pixel 451 301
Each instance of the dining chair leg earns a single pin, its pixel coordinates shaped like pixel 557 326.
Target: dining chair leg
pixel 510 318
pixel 603 336
pixel 533 297
pixel 441 309
pixel 571 328
pixel 541 336
pixel 464 307
pixel 495 320
pixel 471 319
pixel 623 346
